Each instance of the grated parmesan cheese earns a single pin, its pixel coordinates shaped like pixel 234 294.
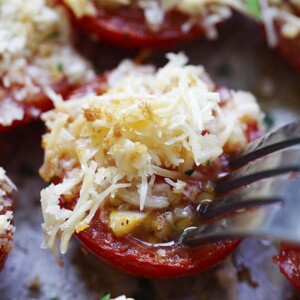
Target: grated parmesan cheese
pixel 148 123
pixel 207 13
pixel 35 52
pixel 6 187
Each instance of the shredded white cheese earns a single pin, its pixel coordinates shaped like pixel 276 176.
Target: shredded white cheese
pixel 6 187
pixel 148 123
pixel 206 13
pixel 35 52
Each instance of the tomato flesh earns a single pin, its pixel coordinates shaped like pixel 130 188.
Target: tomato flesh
pixel 127 27
pixel 288 261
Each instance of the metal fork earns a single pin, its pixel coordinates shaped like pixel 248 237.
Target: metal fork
pixel 260 198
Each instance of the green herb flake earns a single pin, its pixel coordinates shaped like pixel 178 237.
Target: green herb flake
pixel 268 121
pixel 253 7
pixel 53 35
pixel 60 67
pixel 189 172
pixel 208 163
pixel 106 297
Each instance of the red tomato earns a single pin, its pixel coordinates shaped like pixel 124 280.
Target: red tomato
pixel 288 261
pixel 35 105
pixel 127 27
pixel 132 257
pixel 4 250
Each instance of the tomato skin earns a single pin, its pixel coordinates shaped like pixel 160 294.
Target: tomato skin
pixel 34 106
pixel 288 261
pixel 127 28
pixel 130 256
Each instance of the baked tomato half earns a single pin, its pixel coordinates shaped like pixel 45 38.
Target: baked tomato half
pixel 282 29
pixel 126 181
pixel 131 255
pixel 288 261
pixel 6 216
pixel 138 25
pixel 34 62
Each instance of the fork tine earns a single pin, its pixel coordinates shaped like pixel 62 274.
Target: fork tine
pixel 279 221
pixel 233 204
pixel 281 138
pixel 272 165
pixel 253 195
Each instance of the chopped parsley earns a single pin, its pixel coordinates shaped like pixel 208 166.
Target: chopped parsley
pixel 253 7
pixel 208 163
pixel 268 121
pixel 60 67
pixel 189 172
pixel 106 297
pixel 53 35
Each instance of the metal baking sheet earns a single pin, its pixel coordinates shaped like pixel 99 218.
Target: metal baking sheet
pixel 239 60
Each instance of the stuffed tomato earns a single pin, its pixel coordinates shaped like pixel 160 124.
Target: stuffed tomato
pixel 282 25
pixel 130 165
pixel 151 24
pixel 6 216
pixel 36 54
